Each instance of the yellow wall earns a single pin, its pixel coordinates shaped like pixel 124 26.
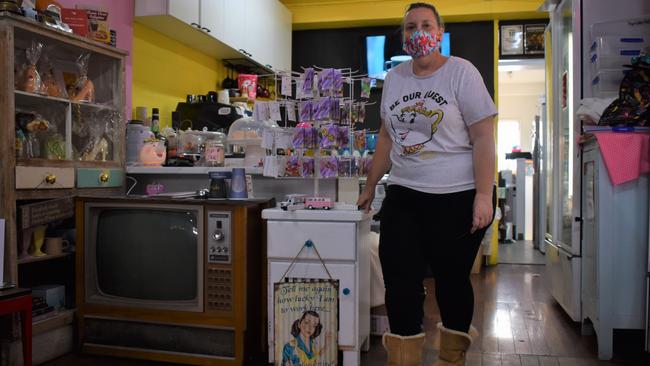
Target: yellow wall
pixel 165 71
pixel 318 14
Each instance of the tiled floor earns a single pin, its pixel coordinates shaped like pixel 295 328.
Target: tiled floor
pixel 519 322
pixel 520 252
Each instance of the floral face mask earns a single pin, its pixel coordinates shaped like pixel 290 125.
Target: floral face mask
pixel 420 43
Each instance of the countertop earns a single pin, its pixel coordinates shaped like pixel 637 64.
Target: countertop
pixel 316 215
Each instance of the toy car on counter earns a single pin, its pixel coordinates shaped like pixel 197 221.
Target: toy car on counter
pixel 293 202
pixel 323 203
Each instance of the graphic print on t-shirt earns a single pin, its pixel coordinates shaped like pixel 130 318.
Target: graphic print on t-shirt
pixel 415 124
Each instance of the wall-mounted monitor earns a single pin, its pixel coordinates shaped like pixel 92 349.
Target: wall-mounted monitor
pixel 379 63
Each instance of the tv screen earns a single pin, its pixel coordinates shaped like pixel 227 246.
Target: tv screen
pixel 147 254
pixel 377 60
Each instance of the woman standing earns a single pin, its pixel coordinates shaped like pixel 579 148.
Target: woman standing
pixel 437 138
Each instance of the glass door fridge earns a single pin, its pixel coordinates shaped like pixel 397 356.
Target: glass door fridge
pixel 563 174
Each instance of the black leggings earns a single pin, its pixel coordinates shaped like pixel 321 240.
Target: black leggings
pixel 419 230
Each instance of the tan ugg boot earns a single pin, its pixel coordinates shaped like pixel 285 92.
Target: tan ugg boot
pixel 403 350
pixel 473 332
pixel 453 347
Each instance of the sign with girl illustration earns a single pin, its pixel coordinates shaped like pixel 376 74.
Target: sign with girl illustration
pixel 306 322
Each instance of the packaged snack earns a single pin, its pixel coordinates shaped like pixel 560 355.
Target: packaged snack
pixel 292 167
pixel 371 141
pixel 338 82
pixel 298 138
pixel 329 133
pixel 283 138
pixel 299 92
pixel 84 89
pixel 328 167
pixel 361 116
pixel 286 85
pixel 354 113
pixel 311 137
pixel 247 85
pixel 327 80
pixel 345 166
pixel 366 85
pixel 305 111
pixel 291 111
pixel 55 147
pixel 321 112
pixel 308 167
pixel 30 78
pixel 344 137
pixel 335 110
pixel 308 81
pixel 345 114
pixel 52 79
pixel 360 140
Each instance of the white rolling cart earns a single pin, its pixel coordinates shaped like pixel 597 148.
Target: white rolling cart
pixel 342 239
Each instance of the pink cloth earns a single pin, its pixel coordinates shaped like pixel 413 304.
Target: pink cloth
pixel 626 155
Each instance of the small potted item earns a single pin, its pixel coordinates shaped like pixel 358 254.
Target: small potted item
pixel 293 202
pixel 319 203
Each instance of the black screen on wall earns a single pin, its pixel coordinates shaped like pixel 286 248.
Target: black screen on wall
pixel 341 48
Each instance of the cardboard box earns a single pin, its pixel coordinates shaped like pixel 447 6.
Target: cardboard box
pixel 54 295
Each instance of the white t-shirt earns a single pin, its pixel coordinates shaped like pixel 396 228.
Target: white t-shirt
pixel 427 119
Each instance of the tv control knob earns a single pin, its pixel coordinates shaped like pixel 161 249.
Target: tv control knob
pixel 219 249
pixel 217 235
pixel 225 249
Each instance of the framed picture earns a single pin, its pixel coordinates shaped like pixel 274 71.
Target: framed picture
pixel 512 39
pixel 522 39
pixel 534 39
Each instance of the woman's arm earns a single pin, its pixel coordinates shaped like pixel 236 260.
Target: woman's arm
pixel 380 164
pixel 481 135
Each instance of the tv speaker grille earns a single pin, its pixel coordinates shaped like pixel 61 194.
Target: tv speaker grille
pixel 160 337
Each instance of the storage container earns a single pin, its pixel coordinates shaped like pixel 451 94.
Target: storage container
pixel 607 83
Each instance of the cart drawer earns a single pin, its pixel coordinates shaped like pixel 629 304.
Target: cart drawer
pixel 334 240
pixel 99 178
pixel 44 178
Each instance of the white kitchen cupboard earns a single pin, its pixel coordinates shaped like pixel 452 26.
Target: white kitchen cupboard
pixel 615 250
pixel 257 30
pixel 342 240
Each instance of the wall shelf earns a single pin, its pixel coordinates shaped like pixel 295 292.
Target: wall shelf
pixel 32 259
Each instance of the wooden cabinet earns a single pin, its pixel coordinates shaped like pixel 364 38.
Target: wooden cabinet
pixel 342 240
pixel 256 30
pixel 37 165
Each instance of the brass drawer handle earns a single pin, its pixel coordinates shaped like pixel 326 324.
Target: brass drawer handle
pixel 50 178
pixel 103 177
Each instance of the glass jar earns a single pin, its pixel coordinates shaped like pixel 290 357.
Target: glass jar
pixel 215 153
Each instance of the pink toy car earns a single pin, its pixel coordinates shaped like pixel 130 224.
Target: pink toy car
pixel 324 203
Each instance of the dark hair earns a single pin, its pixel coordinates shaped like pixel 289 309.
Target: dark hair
pixel 412 6
pixel 295 328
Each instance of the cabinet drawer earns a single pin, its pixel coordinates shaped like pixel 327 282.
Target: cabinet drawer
pixel 334 240
pixel 345 273
pixel 99 178
pixel 44 178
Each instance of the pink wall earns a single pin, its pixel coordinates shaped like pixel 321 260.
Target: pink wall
pixel 120 17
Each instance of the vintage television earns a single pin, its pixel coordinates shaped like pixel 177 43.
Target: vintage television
pixel 175 280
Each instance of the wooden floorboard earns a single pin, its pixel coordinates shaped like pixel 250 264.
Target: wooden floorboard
pixel 520 324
